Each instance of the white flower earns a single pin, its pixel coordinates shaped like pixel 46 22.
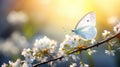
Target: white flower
pixel 45 43
pixel 44 59
pixel 116 29
pixel 110 52
pixel 16 64
pixel 68 43
pixel 29 60
pixel 93 41
pixel 52 64
pixel 72 41
pixel 26 52
pixel 84 65
pixel 66 58
pixel 26 64
pixel 62 45
pixel 28 55
pixel 60 52
pixel 105 33
pixel 112 43
pixel 17 17
pixel 90 52
pixel 35 51
pixel 74 57
pixel 4 65
pixel 73 65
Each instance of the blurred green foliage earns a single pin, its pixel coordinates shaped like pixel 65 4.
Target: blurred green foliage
pixel 28 30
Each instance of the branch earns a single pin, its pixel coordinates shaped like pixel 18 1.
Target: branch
pixel 76 50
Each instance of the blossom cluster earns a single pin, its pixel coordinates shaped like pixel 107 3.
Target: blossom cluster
pixel 45 49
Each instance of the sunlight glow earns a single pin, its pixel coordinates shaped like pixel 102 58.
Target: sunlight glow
pixel 65 14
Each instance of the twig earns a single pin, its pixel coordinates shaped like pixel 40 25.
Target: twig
pixel 76 50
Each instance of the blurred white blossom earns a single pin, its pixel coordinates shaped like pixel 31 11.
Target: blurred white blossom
pixel 84 65
pixel 110 52
pixel 25 64
pixel 93 41
pixel 15 43
pixel 15 64
pixel 66 58
pixel 112 43
pixel 90 51
pixel 113 20
pixel 105 33
pixel 116 28
pixel 17 17
pixel 8 47
pixel 4 65
pixel 52 64
pixel 73 65
pixel 74 57
pixel 44 59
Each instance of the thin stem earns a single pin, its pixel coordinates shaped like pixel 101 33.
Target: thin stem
pixel 76 50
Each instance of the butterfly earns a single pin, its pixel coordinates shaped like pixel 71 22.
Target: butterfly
pixel 86 27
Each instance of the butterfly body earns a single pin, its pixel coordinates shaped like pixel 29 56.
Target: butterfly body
pixel 86 27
